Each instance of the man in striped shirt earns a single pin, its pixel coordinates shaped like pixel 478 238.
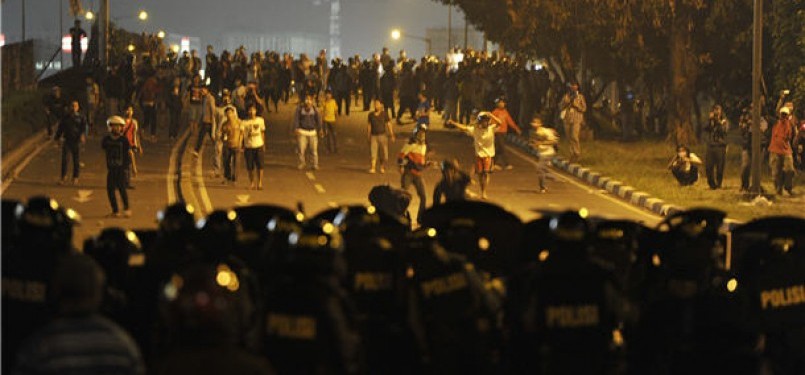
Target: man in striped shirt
pixel 79 341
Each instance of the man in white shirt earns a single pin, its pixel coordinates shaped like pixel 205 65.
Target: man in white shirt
pixel 254 130
pixel 483 134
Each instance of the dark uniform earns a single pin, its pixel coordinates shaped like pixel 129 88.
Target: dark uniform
pixel 309 319
pixel 455 319
pixel 47 230
pixel 570 307
pixel 771 279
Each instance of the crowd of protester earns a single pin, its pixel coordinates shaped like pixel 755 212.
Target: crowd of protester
pixel 351 290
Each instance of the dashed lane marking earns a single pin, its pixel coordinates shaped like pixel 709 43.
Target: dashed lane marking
pixel 319 188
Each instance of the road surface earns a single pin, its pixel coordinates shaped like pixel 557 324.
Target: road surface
pixel 168 172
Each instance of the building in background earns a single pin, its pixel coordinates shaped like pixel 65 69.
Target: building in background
pixel 294 43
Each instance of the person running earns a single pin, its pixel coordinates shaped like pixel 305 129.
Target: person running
pixel 117 148
pixel 412 162
pixel 453 186
pixel 232 137
pixel 378 133
pixel 543 140
pixel 500 111
pixel 329 110
pixel 483 134
pixel 254 140
pixel 131 130
pixel 306 124
pixel 72 132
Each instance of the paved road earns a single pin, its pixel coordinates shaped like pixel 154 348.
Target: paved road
pixel 168 172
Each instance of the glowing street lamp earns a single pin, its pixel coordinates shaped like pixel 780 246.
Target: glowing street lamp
pixel 175 48
pixel 143 15
pixel 89 15
pixel 396 34
pixel 161 34
pixel 130 48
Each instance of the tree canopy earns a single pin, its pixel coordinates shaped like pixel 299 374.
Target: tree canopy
pixel 677 49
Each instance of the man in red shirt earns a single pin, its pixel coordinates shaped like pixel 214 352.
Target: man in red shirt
pixel 781 157
pixel 506 121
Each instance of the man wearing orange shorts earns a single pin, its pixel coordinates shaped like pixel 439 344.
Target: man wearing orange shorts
pixel 483 134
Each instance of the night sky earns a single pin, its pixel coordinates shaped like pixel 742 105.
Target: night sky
pixel 365 24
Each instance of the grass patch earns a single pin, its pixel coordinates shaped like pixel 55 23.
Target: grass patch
pixel 643 165
pixel 22 115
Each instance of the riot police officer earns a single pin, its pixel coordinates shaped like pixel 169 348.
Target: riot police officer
pixel 45 232
pixel 310 327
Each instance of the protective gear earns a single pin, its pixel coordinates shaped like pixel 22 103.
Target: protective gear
pixel 116 250
pixel 176 218
pixel 688 320
pixel 10 230
pixel 201 306
pixel 45 225
pixel 45 233
pixel 374 244
pixel 455 319
pixel 392 201
pixel 309 318
pixel 486 234
pixel 218 234
pixel 770 272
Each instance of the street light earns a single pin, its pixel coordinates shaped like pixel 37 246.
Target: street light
pixel 175 48
pixel 143 15
pixel 161 34
pixel 396 34
pixel 89 15
pixel 130 48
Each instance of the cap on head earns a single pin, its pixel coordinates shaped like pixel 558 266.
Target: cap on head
pixel 115 120
pixel 785 110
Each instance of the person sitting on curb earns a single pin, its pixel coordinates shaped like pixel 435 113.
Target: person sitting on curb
pixel 685 166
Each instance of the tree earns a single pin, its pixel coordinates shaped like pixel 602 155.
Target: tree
pixel 677 48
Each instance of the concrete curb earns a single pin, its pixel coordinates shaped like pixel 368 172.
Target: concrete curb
pixel 628 193
pixel 10 165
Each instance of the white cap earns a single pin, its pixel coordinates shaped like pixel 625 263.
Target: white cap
pixel 785 110
pixel 115 120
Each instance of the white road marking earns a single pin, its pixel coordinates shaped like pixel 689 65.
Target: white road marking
pixel 310 176
pixel 243 199
pixel 319 188
pixel 7 182
pixel 586 187
pixel 83 196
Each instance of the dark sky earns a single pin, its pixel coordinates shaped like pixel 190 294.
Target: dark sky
pixel 365 24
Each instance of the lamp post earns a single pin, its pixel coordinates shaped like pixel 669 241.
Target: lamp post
pixel 396 34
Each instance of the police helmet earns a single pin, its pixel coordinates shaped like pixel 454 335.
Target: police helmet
pixel 9 222
pixel 43 223
pixel 318 247
pixel 199 304
pixel 116 250
pixel 570 230
pixel 219 233
pixel 176 218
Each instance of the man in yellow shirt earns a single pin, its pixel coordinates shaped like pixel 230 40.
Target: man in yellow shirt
pixel 329 112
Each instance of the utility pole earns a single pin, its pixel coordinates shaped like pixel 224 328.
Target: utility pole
pixel 103 38
pixel 335 28
pixel 449 27
pixel 23 20
pixel 466 31
pixel 61 32
pixel 757 49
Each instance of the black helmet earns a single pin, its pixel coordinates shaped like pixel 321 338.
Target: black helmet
pixel 177 217
pixel 318 247
pixel 43 223
pixel 199 304
pixel 115 250
pixel 219 233
pixel 570 232
pixel 9 222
